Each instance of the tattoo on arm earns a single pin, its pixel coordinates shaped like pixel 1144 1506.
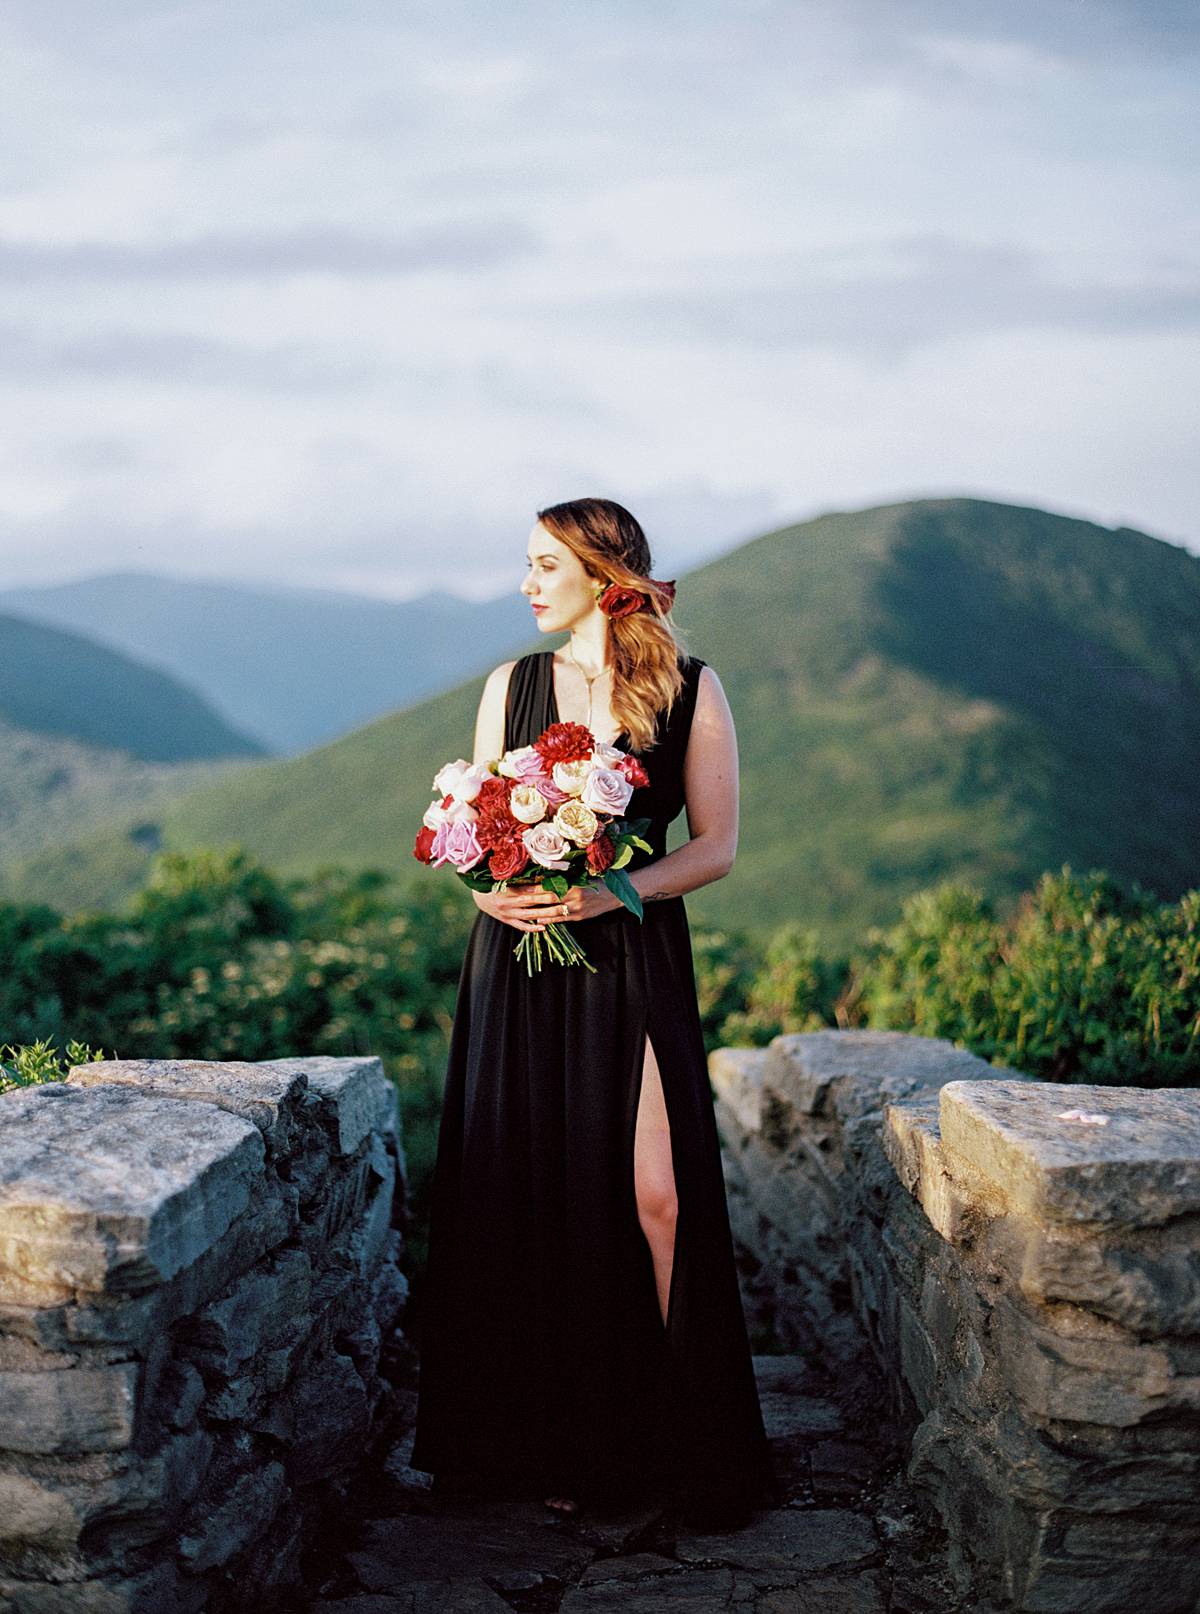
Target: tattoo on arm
pixel 653 896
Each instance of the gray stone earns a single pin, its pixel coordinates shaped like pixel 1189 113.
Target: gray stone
pixel 420 1548
pixel 832 1594
pixel 356 1095
pixel 47 1503
pixel 84 1409
pixel 700 1592
pixel 1142 1167
pixel 226 1522
pixel 138 1320
pixel 786 1540
pixel 107 1189
pixel 269 1098
pixel 261 1306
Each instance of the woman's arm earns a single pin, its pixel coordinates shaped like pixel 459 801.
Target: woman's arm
pixel 489 720
pixel 710 786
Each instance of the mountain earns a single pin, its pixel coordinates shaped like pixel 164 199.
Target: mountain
pixel 87 733
pixel 60 683
pixel 927 689
pixel 294 667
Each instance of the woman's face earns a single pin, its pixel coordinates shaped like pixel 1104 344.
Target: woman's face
pixel 556 584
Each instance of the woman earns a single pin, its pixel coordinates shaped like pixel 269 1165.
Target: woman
pixel 581 1328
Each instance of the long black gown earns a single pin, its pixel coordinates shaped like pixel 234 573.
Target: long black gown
pixel 545 1366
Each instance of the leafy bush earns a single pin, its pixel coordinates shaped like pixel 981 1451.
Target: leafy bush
pixel 26 1067
pixel 1085 982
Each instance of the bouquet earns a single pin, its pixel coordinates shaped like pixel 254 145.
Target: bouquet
pixel 549 813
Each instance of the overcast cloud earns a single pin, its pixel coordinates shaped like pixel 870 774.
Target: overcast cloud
pixel 339 294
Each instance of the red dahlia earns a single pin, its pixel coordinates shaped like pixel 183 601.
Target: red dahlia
pixel 600 853
pixel 564 742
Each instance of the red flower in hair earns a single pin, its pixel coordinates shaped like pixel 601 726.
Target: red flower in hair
pixel 617 600
pixel 564 742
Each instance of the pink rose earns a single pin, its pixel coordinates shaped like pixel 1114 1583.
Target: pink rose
pixel 546 846
pixel 459 846
pixel 607 791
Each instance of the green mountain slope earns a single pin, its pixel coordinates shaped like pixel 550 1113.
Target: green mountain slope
pixel 61 683
pixel 945 687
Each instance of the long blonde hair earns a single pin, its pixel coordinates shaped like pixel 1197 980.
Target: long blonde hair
pixel 647 649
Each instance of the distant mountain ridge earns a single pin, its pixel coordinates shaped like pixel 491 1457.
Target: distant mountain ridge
pixel 57 682
pixel 292 667
pixel 926 689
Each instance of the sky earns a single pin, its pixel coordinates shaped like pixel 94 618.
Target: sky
pixel 340 294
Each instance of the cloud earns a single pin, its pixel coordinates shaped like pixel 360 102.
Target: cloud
pixel 886 300
pixel 177 357
pixel 306 249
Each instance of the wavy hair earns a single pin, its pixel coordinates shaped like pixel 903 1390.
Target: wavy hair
pixel 647 649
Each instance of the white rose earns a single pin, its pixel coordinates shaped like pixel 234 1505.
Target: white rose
pixel 546 846
pixel 572 776
pixel 606 756
pixel 527 804
pixel 461 779
pixel 577 822
pixel 607 791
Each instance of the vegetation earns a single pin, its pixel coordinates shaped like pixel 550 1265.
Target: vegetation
pixel 941 689
pixel 218 958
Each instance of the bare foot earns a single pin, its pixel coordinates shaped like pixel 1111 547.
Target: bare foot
pixel 563 1504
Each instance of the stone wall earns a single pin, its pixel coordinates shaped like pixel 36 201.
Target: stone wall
pixel 1023 1260
pixel 198 1269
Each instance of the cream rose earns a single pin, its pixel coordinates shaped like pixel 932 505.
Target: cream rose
pixel 522 763
pixel 527 804
pixel 607 791
pixel 546 846
pixel 577 822
pixel 572 776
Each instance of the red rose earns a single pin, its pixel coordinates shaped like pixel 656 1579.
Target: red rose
pixel 617 600
pixel 633 771
pixel 600 853
pixel 422 850
pixel 507 859
pixel 564 742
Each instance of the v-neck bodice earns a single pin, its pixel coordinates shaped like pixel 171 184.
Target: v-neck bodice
pixel 532 706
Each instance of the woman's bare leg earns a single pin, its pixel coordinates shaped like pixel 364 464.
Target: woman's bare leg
pixel 654 1185
pixel 654 1177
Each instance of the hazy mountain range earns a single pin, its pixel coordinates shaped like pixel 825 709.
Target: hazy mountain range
pixel 941 687
pixel 291 667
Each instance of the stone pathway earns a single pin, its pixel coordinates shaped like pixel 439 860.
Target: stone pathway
pixel 846 1538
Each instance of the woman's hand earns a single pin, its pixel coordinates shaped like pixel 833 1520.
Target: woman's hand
pixel 529 907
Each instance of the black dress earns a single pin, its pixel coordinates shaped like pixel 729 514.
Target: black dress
pixel 545 1367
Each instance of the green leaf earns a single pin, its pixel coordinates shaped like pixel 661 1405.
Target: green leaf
pixel 622 857
pixel 558 883
pixel 645 845
pixel 622 886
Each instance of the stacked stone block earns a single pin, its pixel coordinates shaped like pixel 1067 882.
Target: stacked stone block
pixel 1023 1259
pixel 198 1270
pixel 1048 1273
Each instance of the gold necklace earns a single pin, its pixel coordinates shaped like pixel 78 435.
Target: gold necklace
pixel 588 681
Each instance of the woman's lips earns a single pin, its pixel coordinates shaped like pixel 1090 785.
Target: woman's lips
pixel 541 607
